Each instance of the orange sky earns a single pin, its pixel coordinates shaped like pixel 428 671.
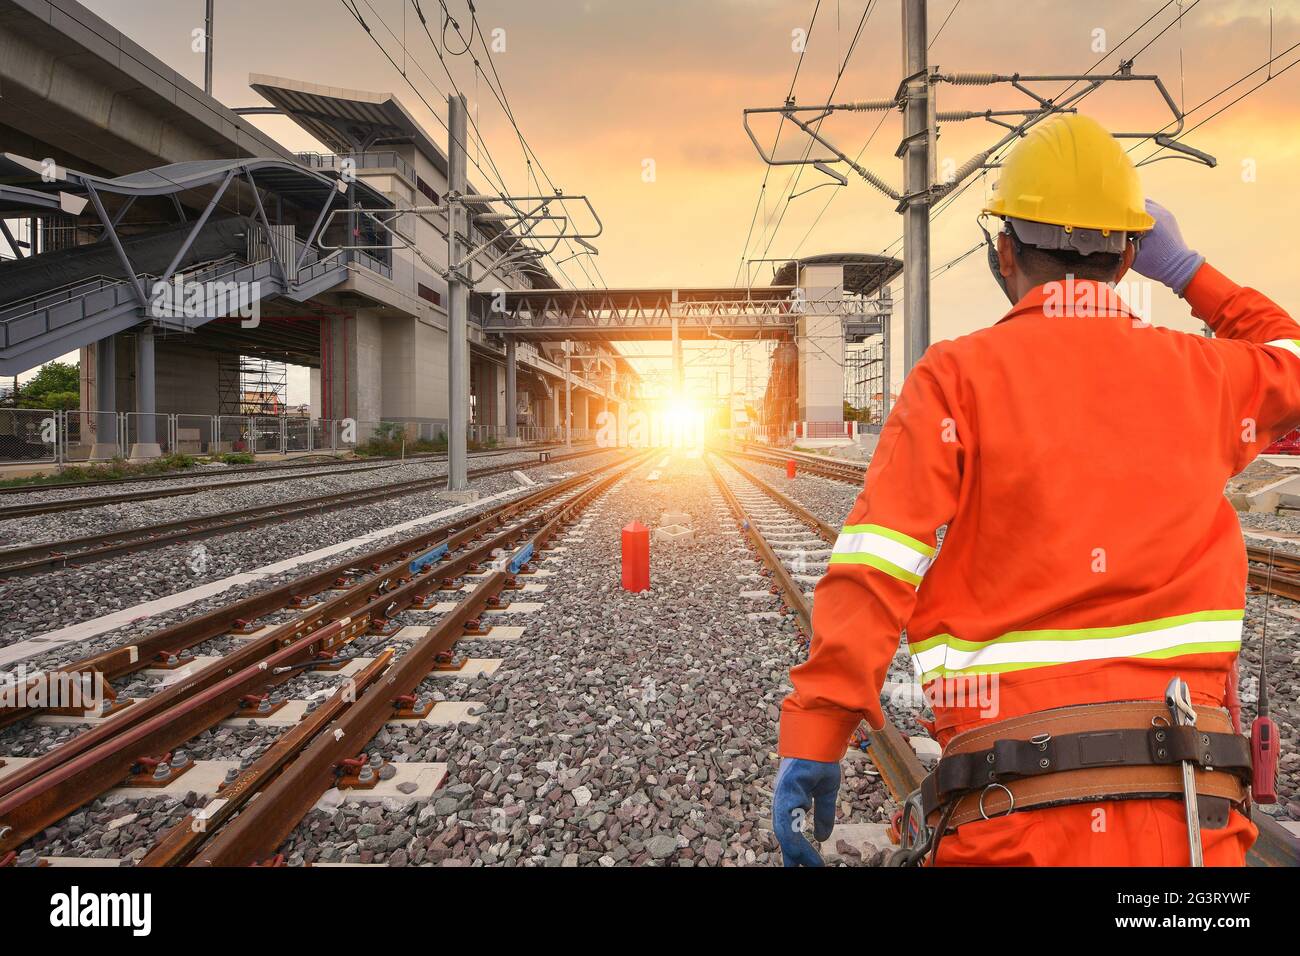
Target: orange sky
pixel 600 86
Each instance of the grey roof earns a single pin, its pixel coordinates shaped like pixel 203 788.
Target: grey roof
pixel 295 182
pixel 18 200
pixel 864 272
pixel 348 120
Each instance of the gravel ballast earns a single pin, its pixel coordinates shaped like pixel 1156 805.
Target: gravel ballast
pixel 621 729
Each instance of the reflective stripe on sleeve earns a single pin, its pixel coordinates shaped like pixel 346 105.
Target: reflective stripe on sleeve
pixel 885 549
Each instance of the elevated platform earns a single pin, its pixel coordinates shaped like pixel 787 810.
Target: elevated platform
pixel 69 298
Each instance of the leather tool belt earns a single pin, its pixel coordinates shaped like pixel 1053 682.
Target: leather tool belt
pixel 1124 750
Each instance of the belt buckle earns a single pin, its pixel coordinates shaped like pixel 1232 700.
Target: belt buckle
pixel 1011 796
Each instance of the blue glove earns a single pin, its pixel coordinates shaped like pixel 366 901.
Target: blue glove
pixel 801 786
pixel 1162 253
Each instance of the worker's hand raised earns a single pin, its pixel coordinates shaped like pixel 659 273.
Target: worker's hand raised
pixel 804 787
pixel 1163 255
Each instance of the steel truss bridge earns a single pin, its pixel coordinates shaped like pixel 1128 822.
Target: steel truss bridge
pixel 638 314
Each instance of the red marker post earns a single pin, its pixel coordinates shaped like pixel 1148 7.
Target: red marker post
pixel 636 557
pixel 789 467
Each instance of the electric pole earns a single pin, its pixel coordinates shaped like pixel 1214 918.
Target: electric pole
pixel 568 395
pixel 915 98
pixel 916 185
pixel 207 48
pixel 457 301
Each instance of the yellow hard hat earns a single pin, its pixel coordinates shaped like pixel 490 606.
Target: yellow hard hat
pixel 1069 171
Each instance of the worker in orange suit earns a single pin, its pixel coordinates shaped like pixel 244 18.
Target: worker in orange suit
pixel 1076 458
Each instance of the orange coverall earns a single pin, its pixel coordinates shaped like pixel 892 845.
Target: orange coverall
pixel 1078 459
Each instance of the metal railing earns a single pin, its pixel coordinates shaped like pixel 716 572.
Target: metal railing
pixel 379 159
pixel 43 436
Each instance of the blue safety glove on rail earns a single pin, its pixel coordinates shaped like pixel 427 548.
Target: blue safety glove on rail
pixel 804 786
pixel 1162 253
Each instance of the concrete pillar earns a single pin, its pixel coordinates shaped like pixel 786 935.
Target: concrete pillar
pixel 678 367
pixel 104 421
pixel 821 348
pixel 512 397
pixel 146 436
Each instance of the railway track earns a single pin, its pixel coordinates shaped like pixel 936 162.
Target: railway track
pixel 303 763
pixel 847 471
pixel 305 461
pixel 784 533
pixel 1280 573
pixel 263 473
pixel 47 556
pixel 773 529
pixel 95 501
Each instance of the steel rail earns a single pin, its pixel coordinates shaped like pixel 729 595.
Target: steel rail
pixel 179 844
pixel 281 804
pixel 266 822
pixel 790 591
pixel 892 755
pixel 26 810
pixel 1281 560
pixel 1281 583
pixel 47 793
pixel 51 556
pixel 304 461
pixel 356 600
pixel 824 531
pixel 848 471
pixel 139 655
pixel 79 504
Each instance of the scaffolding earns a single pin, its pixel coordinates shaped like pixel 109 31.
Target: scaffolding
pixel 248 385
pixel 864 380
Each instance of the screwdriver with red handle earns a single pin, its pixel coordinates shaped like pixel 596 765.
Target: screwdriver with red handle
pixel 1263 732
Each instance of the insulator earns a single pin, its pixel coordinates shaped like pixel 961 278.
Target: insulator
pixel 879 183
pixel 971 79
pixel 869 106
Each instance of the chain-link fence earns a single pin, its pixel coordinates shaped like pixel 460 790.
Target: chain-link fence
pixel 141 430
pixel 298 435
pixel 234 434
pixel 42 435
pixel 29 435
pixel 195 434
pixel 91 436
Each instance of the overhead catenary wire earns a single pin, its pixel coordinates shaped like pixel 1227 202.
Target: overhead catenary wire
pixel 494 176
pixel 500 98
pixel 473 123
pixel 797 172
pixel 935 38
pixel 767 170
pixel 526 146
pixel 499 93
pixel 949 200
pixel 1266 65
